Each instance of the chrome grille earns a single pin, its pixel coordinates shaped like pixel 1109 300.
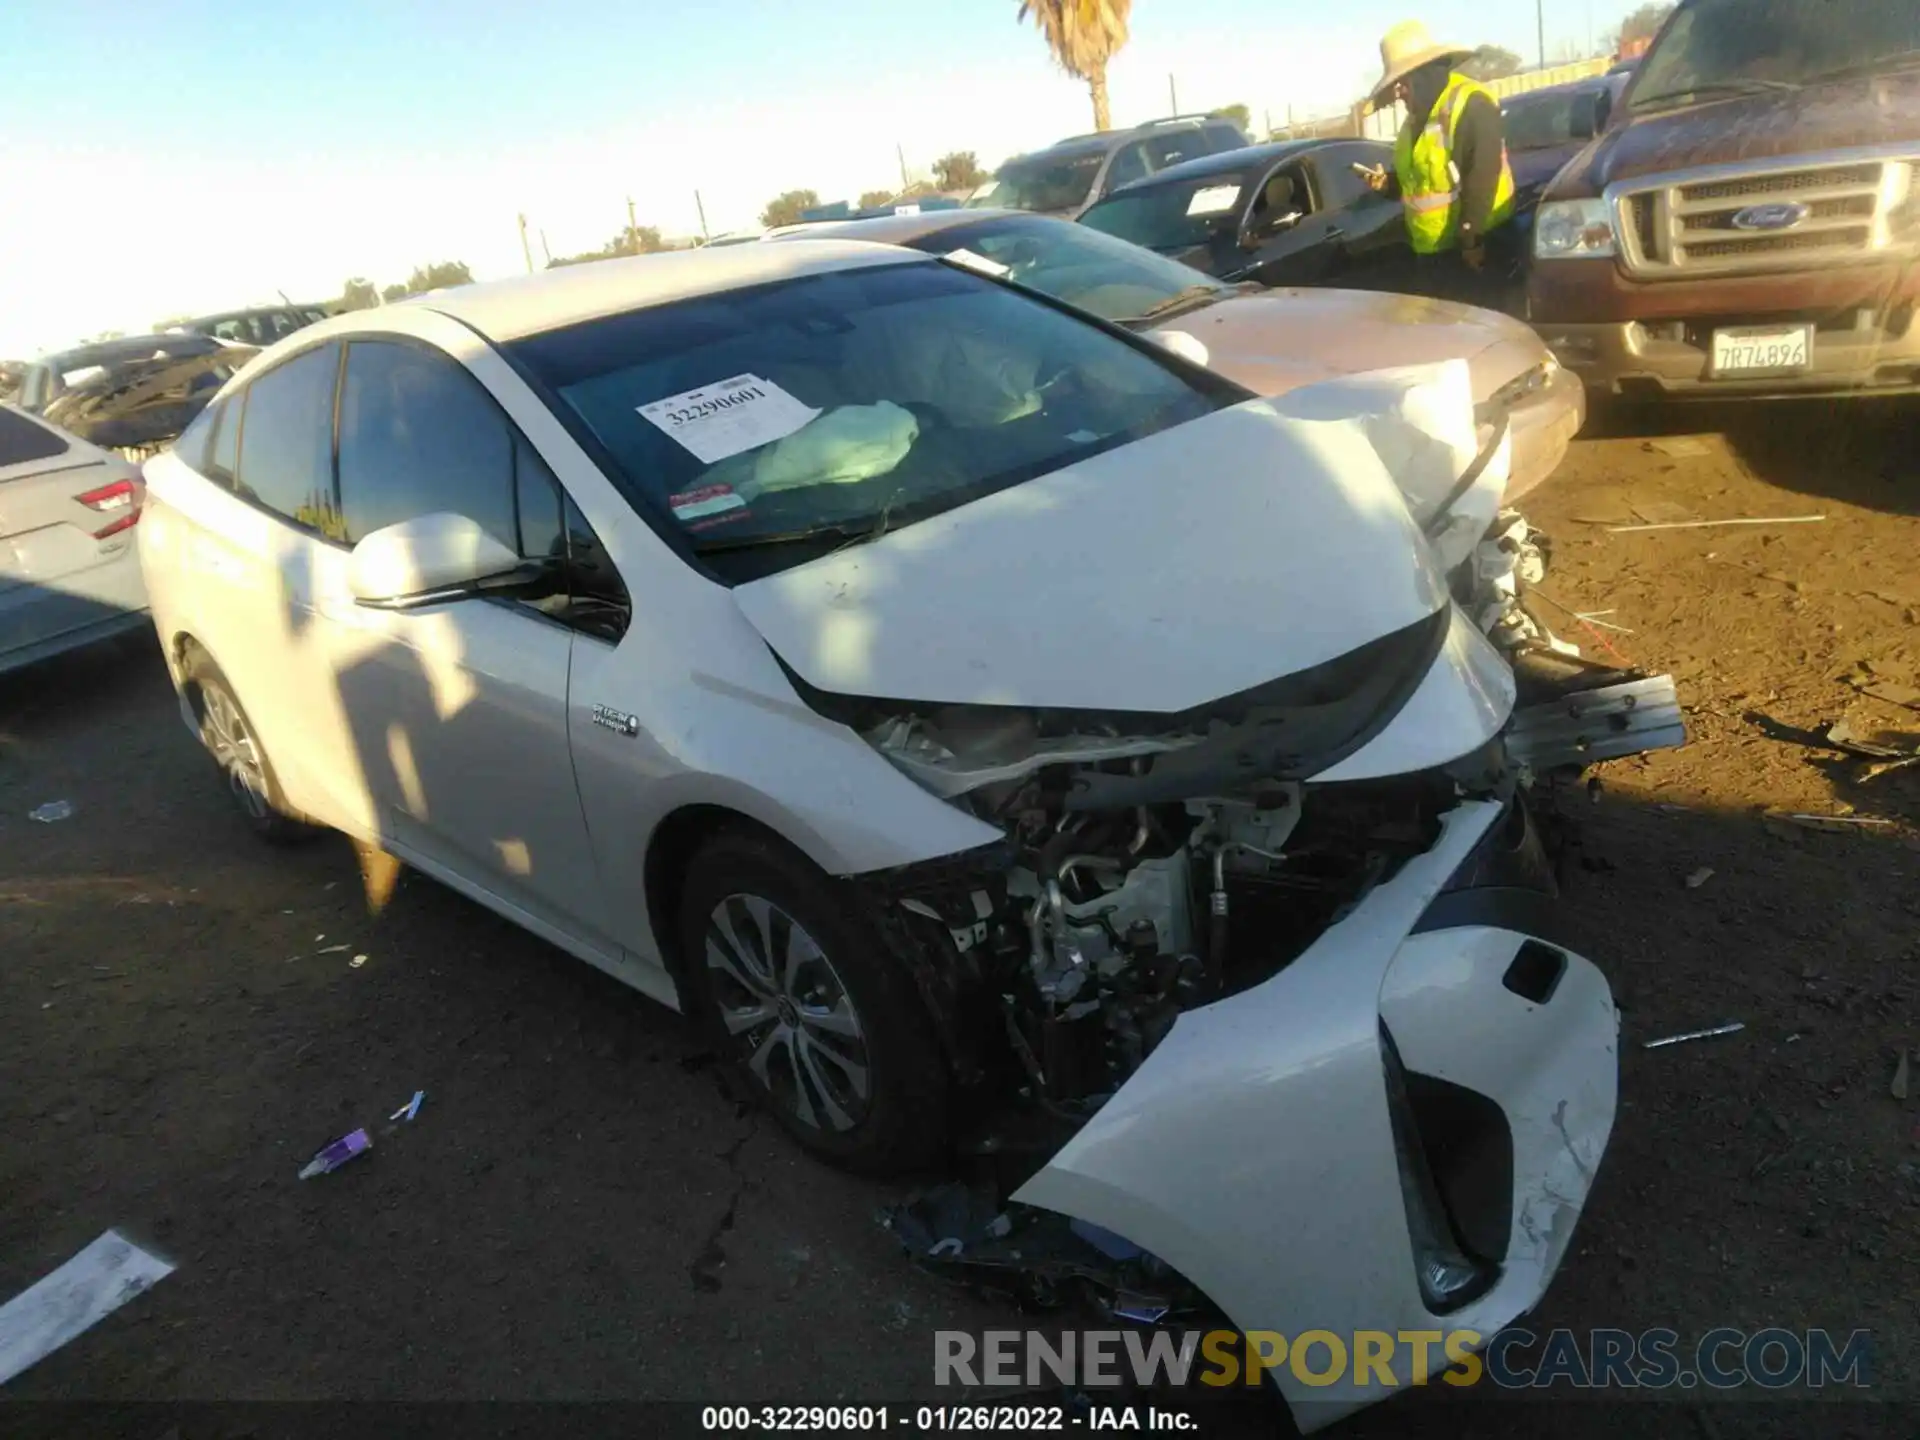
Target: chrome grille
pixel 1685 226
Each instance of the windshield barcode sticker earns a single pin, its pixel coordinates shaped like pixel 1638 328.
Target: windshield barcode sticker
pixel 718 421
pixel 1212 199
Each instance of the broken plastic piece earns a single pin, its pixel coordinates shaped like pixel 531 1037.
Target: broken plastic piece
pixel 332 1157
pixel 51 811
pixel 1899 1087
pixel 1732 1027
pixel 1141 1309
pixel 411 1108
pixel 1599 724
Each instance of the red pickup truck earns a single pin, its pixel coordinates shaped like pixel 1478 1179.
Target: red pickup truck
pixel 1747 221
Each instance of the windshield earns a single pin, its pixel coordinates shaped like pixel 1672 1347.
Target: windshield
pixel 1041 182
pixel 1084 267
pixel 1717 45
pixel 1544 121
pixel 1171 217
pixel 839 404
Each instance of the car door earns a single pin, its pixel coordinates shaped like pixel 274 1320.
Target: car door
pixel 1283 235
pixel 67 561
pixel 457 711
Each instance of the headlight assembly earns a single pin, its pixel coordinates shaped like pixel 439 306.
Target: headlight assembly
pixel 1573 229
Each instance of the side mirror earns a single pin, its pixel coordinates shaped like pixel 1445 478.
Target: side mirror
pixel 1602 113
pixel 1259 232
pixel 427 559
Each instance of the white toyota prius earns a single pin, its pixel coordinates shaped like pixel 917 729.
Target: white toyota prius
pixel 986 722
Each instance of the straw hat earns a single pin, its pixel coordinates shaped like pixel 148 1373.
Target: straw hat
pixel 1408 46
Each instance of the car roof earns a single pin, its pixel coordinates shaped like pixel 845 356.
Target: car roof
pixel 1229 162
pixel 1591 82
pixel 1099 142
pixel 105 352
pixel 554 299
pixel 905 229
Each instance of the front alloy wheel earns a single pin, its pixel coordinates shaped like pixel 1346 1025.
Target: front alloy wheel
pixel 778 994
pixel 235 751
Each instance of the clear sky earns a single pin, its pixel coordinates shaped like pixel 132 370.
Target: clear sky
pixel 160 157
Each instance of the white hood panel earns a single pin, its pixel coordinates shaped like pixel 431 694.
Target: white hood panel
pixel 1168 573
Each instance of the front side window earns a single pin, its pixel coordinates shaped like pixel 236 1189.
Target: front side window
pixel 1129 165
pixel 420 436
pixel 1173 216
pixel 1173 146
pixel 1715 47
pixel 1085 268
pixel 833 406
pixel 1042 182
pixel 1544 121
pixel 286 442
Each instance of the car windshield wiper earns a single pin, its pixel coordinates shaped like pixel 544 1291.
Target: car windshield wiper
pixel 1718 87
pixel 845 534
pixel 1178 302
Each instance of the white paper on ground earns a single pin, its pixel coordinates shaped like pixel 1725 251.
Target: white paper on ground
pixel 729 417
pixel 74 1298
pixel 1212 199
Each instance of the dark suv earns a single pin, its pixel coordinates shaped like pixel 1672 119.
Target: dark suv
pixel 1066 178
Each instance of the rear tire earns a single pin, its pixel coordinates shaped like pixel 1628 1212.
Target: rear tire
pixel 235 746
pixel 823 1025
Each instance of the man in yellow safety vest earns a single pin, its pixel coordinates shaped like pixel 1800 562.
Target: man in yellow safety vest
pixel 1450 170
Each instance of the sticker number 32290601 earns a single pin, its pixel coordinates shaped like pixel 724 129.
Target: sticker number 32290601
pixel 728 418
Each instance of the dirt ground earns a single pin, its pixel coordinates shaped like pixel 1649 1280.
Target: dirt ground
pixel 581 1213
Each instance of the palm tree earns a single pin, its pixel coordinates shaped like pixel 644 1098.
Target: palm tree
pixel 1083 35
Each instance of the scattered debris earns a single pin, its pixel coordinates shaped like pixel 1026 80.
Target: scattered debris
pixel 1900 1077
pixel 333 949
pixel 1662 512
pixel 53 810
pixel 70 1301
pixel 357 961
pixel 411 1108
pixel 331 1157
pixel 1894 692
pixel 1838 824
pixel 1711 524
pixel 1699 877
pixel 1732 1027
pixel 1680 447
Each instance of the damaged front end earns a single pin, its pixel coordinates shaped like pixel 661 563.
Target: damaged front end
pixel 1263 1007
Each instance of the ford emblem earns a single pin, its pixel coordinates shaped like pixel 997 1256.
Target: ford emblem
pixel 1779 215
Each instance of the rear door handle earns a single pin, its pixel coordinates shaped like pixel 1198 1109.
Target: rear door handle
pixel 1334 232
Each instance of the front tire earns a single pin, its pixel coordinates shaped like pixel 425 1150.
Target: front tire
pixel 231 740
pixel 824 1026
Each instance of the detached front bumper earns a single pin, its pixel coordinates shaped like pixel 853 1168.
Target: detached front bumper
pixel 1255 1150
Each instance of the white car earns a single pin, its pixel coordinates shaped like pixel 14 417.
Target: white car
pixel 961 706
pixel 69 572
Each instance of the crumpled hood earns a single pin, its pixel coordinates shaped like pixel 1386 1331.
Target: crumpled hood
pixel 1186 567
pixel 1858 110
pixel 1277 340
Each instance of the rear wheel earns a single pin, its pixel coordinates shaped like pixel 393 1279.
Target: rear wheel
pixel 824 1026
pixel 235 747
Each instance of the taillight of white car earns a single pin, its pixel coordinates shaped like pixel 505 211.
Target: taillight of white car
pixel 118 504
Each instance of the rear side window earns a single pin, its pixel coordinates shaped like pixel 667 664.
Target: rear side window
pixel 286 442
pixel 420 436
pixel 1175 146
pixel 22 441
pixel 1223 137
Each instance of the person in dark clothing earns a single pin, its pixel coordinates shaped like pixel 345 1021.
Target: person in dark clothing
pixel 1450 172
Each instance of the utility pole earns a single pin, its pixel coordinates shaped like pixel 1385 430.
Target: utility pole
pixel 704 235
pixel 633 230
pixel 1173 97
pixel 525 249
pixel 543 247
pixel 1540 27
pixel 905 183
